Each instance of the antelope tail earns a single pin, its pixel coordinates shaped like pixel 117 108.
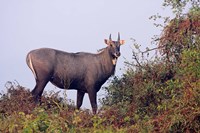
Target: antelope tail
pixel 30 64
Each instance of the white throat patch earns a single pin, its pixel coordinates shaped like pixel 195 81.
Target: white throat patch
pixel 114 61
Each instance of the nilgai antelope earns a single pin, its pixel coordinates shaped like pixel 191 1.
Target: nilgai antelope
pixel 85 72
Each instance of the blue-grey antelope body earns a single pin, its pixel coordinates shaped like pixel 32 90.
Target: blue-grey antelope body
pixel 85 72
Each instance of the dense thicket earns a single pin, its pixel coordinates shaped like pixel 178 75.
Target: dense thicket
pixel 164 94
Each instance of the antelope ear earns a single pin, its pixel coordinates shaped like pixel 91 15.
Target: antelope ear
pixel 121 42
pixel 107 41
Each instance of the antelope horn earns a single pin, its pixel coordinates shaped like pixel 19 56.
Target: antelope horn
pixel 110 38
pixel 118 36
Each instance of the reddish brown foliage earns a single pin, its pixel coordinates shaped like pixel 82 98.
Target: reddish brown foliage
pixel 16 100
pixel 179 34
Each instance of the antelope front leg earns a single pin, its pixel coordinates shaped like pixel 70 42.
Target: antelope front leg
pixel 93 100
pixel 80 96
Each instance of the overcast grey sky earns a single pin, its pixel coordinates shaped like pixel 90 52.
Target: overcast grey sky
pixel 73 26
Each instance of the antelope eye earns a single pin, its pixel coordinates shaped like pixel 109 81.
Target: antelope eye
pixel 112 45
